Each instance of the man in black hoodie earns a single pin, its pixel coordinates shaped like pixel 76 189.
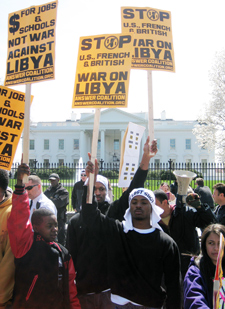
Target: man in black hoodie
pixel 78 191
pixel 87 249
pixel 60 197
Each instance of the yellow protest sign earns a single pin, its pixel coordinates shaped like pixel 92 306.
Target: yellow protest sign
pixel 152 38
pixel 31 44
pixel 103 71
pixel 12 104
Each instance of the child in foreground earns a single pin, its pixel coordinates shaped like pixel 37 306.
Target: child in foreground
pixel 44 275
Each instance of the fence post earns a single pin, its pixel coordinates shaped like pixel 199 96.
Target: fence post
pixel 170 168
pixel 101 164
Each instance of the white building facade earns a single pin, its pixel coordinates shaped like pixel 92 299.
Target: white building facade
pixel 69 142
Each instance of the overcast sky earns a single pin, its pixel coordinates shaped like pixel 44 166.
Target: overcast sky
pixel 198 32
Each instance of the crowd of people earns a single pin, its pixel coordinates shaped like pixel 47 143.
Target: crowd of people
pixel 142 251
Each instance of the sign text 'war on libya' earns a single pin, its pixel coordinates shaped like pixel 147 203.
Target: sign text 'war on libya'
pixel 103 70
pixel 152 38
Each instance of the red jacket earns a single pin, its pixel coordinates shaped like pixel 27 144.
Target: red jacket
pixel 21 238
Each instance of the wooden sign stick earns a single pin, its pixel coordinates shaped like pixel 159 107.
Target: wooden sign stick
pixel 150 107
pixel 26 130
pixel 94 152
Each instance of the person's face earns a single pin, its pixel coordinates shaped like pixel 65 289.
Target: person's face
pixel 165 188
pixel 48 229
pixel 54 182
pixel 218 197
pixel 83 176
pixel 212 246
pixel 100 192
pixel 165 206
pixel 140 209
pixel 34 191
pixel 2 194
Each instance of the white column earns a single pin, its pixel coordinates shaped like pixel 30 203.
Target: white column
pixel 122 132
pixel 102 153
pixel 82 145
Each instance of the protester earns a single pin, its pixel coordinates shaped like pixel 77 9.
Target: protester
pixel 37 198
pixel 78 192
pixel 204 192
pixel 83 245
pixel 174 187
pixel 45 275
pixel 180 222
pixel 110 193
pixel 219 198
pixel 140 256
pixel 60 197
pixel 166 188
pixel 198 282
pixel 7 267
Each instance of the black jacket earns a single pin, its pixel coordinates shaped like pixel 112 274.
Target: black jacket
pixel 137 263
pixel 220 214
pixel 60 197
pixel 87 248
pixel 42 283
pixel 205 195
pixel 77 193
pixel 182 228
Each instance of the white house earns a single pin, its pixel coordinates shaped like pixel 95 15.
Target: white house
pixel 66 142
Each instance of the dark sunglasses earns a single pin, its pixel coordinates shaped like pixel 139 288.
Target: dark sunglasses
pixel 83 175
pixel 31 187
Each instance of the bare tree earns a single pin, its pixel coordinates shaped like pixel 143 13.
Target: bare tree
pixel 210 130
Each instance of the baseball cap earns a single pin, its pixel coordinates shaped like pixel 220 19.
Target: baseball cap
pixel 53 176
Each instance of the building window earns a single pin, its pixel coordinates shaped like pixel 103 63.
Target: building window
pixel 61 162
pixel 204 165
pixel 173 163
pixel 99 144
pixel 76 144
pixel 188 161
pixel 31 144
pixel 116 144
pixel 61 144
pixel 188 143
pixel 76 162
pixel 204 162
pixel 46 163
pixel 32 163
pixel 157 161
pixel 46 144
pixel 172 144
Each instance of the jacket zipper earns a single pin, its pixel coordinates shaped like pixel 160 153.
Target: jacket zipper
pixel 31 287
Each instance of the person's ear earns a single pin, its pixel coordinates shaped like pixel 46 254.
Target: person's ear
pixel 165 203
pixel 35 228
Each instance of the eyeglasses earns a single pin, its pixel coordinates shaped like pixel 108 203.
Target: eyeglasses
pixel 31 187
pixel 83 175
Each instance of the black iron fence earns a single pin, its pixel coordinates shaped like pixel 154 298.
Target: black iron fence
pixel 158 173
